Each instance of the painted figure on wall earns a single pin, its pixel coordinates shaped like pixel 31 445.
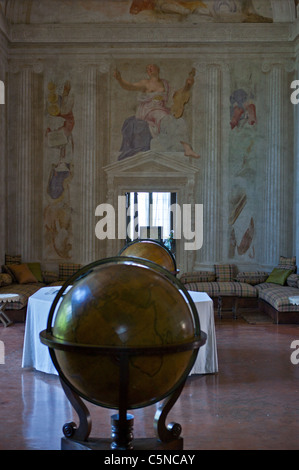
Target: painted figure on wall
pixel 58 211
pixel 243 138
pixel 242 109
pixel 61 106
pixel 155 125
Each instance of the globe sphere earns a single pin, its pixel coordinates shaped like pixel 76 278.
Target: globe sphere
pixel 118 305
pixel 151 250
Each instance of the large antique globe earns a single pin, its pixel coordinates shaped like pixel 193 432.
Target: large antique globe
pixel 151 250
pixel 123 307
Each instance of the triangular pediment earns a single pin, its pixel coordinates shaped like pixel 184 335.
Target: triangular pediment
pixel 153 164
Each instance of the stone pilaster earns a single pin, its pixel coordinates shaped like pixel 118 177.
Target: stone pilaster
pixel 89 168
pixel 28 161
pixel 211 168
pixel 277 220
pixel 3 67
pixel 296 168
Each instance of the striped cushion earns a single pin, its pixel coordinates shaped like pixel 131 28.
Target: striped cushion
pixel 224 272
pixel 252 278
pixel 68 269
pixel 278 297
pixel 215 289
pixel 197 276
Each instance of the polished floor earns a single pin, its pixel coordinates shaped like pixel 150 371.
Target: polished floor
pixel 252 403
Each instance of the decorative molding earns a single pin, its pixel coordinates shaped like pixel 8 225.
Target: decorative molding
pixel 142 33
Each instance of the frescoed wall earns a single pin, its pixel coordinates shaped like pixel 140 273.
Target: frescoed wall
pixel 203 84
pixel 59 159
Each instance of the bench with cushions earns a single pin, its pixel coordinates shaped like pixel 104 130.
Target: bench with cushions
pixel 25 279
pixel 270 292
pixel 227 288
pixel 275 298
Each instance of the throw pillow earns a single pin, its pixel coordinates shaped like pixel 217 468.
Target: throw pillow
pixel 35 268
pixel 22 273
pixel 68 269
pixel 224 272
pixel 279 276
pixel 287 261
pixel 5 279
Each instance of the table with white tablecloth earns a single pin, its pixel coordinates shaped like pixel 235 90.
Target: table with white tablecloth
pixel 207 358
pixel 36 355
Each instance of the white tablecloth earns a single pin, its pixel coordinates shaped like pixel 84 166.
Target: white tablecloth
pixel 36 355
pixel 207 359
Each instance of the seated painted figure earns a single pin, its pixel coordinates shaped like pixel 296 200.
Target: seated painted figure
pixel 153 126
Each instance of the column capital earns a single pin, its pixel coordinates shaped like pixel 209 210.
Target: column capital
pixel 287 65
pixel 35 66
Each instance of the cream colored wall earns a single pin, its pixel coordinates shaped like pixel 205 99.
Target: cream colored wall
pixel 245 173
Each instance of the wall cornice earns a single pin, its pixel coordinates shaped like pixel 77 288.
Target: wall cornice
pixel 155 34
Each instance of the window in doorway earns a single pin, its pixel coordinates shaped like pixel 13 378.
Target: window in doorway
pixel 149 215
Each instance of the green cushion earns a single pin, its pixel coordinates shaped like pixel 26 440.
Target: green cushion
pixel 35 268
pixel 279 276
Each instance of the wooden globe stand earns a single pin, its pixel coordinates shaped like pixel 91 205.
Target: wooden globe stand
pixel 167 437
pixel 122 437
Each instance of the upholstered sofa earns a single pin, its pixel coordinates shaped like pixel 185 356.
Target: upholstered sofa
pixel 233 290
pixel 25 279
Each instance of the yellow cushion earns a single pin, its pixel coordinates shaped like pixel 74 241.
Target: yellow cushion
pixel 22 273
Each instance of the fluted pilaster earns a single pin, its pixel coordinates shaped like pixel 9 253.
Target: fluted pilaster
pixel 27 217
pixel 212 168
pixel 275 213
pixel 2 158
pixel 296 170
pixel 89 166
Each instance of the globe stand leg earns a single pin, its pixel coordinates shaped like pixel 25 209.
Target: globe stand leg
pixel 71 430
pixel 173 430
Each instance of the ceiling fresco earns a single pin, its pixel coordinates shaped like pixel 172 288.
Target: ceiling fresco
pixel 143 11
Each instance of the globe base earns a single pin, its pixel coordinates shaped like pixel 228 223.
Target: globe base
pixel 105 444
